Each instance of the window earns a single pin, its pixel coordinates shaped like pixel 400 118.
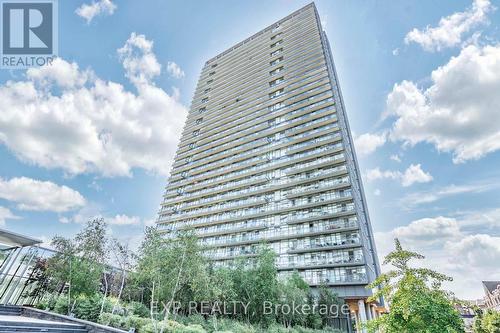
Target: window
pixel 204 100
pixel 207 90
pixel 276 106
pixel 214 65
pixel 276 36
pixel 277 43
pixel 192 145
pixel 276 61
pixel 276 93
pixel 199 120
pixel 276 71
pixel 276 81
pixel 196 132
pixel 201 110
pixel 278 51
pixel 211 73
pixel 276 28
pixel 210 81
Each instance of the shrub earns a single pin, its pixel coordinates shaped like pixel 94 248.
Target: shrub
pixel 42 305
pixel 61 305
pixel 88 308
pixel 112 320
pixel 136 322
pixel 195 319
pixel 190 329
pixel 138 309
pixel 167 327
pixel 227 325
pixel 277 329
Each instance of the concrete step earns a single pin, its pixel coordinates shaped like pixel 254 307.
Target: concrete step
pixel 10 310
pixel 27 325
pixel 10 313
pixel 38 329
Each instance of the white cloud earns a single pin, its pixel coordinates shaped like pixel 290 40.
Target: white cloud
pixel 484 218
pixel 139 61
pixel 66 118
pixel 451 29
pixel 88 212
pixel 99 7
pixel 377 192
pixel 367 143
pixel 375 174
pixel 468 257
pixel 395 52
pixel 36 195
pixel 46 242
pixel 95 211
pixel 459 112
pixel 414 174
pixel 477 251
pixel 63 74
pixel 175 70
pixel 424 197
pixel 396 158
pixel 429 230
pixel 6 214
pixel 121 219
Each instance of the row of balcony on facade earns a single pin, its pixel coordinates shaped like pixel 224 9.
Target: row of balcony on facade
pixel 281 176
pixel 185 176
pixel 291 215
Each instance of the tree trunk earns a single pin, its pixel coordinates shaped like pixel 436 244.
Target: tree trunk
pixel 105 293
pixel 176 283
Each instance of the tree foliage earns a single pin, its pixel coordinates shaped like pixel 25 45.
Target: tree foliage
pixel 81 267
pixel 417 303
pixel 175 271
pixel 486 321
pixel 79 263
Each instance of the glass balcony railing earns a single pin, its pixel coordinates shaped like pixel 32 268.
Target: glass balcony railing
pixel 255 188
pixel 281 232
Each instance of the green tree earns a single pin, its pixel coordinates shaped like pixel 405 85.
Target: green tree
pixel 79 263
pixel 478 320
pixel 171 270
pixel 262 286
pixel 487 322
pixel 417 303
pixel 328 299
pixel 293 292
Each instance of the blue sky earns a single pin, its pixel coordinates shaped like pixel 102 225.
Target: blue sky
pixel 420 81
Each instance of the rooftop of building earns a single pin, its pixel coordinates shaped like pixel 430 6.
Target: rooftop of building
pixel 295 13
pixel 9 239
pixel 490 286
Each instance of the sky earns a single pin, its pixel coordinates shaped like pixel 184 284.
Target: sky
pixel 95 134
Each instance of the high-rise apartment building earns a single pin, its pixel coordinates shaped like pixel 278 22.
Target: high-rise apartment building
pixel 267 155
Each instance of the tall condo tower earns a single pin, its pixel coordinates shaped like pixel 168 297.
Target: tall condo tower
pixel 267 155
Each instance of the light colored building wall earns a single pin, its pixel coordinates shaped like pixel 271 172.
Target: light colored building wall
pixel 266 155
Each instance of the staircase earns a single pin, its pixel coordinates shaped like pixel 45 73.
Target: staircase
pixel 9 310
pixel 12 321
